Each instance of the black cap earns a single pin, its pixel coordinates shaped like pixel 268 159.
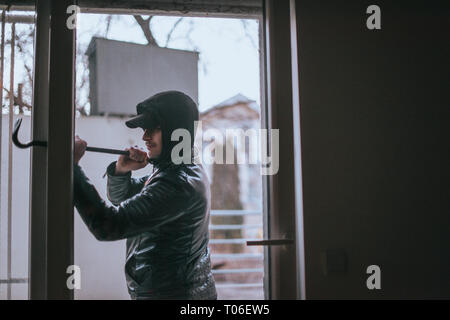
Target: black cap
pixel 146 119
pixel 149 111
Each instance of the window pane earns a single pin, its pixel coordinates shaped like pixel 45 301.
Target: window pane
pixel 15 162
pixel 216 62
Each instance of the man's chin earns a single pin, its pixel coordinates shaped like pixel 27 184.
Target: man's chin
pixel 150 156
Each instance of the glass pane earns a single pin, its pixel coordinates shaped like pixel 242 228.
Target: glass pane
pixel 216 62
pixel 15 162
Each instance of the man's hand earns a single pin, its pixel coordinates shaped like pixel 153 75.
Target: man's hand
pixel 135 161
pixel 79 149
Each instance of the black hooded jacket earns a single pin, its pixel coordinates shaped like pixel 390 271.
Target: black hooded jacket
pixel 164 216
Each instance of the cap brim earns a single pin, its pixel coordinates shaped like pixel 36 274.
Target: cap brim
pixel 147 120
pixel 137 122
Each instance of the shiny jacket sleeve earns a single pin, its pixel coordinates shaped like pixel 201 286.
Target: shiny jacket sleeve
pixel 161 201
pixel 121 187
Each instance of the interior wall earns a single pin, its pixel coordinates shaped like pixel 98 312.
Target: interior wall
pixel 374 112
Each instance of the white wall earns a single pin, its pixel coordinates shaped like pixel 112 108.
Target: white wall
pixel 151 69
pixel 102 263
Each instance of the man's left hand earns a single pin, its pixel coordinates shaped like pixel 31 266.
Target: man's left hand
pixel 79 149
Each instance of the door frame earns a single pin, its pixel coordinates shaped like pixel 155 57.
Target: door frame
pixel 51 251
pixel 285 278
pixel 53 114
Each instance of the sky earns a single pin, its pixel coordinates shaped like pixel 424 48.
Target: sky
pixel 229 53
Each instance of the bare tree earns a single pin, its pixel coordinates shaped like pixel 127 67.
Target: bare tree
pixel 245 26
pixel 145 26
pixel 24 44
pixel 24 52
pixel 169 35
pixel 109 20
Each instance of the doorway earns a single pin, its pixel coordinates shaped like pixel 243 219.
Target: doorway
pixel 249 214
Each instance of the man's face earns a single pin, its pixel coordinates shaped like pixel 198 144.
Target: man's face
pixel 153 141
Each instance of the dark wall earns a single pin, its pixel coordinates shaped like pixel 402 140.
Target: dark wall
pixel 375 130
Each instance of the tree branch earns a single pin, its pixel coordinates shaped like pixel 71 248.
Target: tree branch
pixel 16 101
pixel 108 24
pixel 145 27
pixel 169 35
pixel 247 33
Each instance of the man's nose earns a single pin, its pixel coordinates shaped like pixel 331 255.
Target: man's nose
pixel 146 136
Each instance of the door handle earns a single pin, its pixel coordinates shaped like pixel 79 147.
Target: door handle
pixel 272 242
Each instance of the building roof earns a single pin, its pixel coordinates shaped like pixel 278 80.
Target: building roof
pixel 235 100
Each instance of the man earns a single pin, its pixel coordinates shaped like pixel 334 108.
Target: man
pixel 163 216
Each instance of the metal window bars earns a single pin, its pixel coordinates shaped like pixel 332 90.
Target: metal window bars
pixel 257 257
pixel 11 19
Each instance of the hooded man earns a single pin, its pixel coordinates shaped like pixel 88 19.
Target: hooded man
pixel 164 216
